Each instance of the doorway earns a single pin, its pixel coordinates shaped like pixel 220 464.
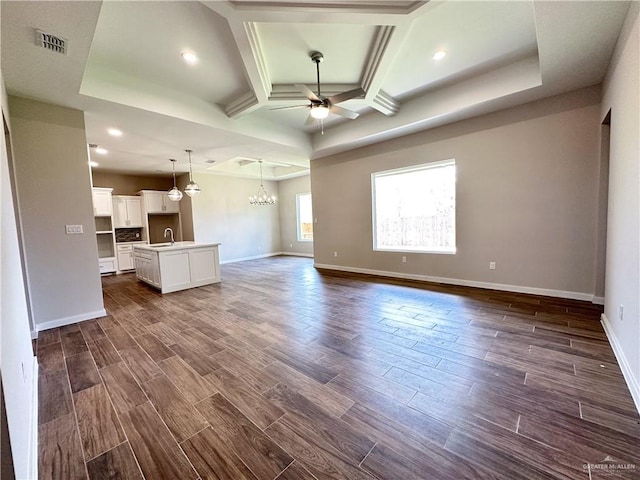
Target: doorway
pixel 603 204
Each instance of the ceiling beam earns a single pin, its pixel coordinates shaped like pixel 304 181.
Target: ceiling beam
pixel 389 8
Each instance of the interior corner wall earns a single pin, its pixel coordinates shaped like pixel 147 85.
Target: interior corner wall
pixel 222 214
pixel 54 190
pixel 289 189
pixel 526 198
pixel 621 95
pixel 17 362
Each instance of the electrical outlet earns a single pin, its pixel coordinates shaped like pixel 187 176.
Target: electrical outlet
pixel 621 312
pixel 335 254
pixel 492 265
pixel 404 259
pixel 73 229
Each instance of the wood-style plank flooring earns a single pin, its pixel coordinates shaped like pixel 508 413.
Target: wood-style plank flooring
pixel 282 371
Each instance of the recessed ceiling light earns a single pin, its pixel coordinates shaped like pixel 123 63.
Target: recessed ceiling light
pixel 439 55
pixel 114 132
pixel 93 164
pixel 189 57
pixel 101 151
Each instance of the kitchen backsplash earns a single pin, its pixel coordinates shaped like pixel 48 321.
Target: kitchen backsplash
pixel 128 234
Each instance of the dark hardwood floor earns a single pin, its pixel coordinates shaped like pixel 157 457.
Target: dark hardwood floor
pixel 285 372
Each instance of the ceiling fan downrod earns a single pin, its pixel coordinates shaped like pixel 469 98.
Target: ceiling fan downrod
pixel 317 57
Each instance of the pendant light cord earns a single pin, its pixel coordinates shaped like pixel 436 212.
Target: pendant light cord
pixel 190 169
pixel 173 163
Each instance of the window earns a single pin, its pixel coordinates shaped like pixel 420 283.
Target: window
pixel 305 217
pixel 414 209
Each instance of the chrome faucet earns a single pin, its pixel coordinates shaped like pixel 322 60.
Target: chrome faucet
pixel 171 232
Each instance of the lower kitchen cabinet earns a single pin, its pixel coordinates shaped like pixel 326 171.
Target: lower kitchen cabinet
pixel 107 264
pixel 147 267
pixel 125 257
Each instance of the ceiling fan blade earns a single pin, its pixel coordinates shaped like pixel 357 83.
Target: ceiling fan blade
pixel 308 93
pixel 343 112
pixel 344 96
pixel 290 106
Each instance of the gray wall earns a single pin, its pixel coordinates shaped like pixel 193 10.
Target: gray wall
pixel 288 215
pixel 622 286
pixel 527 181
pixel 130 184
pixel 19 377
pixel 54 189
pixel 222 213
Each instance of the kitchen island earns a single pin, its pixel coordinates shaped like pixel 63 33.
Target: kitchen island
pixel 171 267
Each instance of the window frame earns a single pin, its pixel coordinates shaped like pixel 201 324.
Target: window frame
pixel 298 222
pixel 409 169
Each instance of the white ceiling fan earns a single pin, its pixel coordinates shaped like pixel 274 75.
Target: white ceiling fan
pixel 319 105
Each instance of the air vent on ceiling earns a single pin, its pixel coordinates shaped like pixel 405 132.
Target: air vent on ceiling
pixel 51 42
pixel 210 161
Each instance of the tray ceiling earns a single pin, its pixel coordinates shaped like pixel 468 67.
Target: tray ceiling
pixel 124 69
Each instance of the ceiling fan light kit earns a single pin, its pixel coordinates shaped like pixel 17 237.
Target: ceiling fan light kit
pixel 319 112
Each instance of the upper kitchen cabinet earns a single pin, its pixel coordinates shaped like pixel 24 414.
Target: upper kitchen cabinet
pixel 158 202
pixel 102 202
pixel 127 211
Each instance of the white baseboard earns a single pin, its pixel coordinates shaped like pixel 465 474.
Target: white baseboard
pixel 296 254
pixel 242 259
pixel 465 283
pixel 33 428
pixel 61 322
pixel 598 300
pixel 273 254
pixel 627 373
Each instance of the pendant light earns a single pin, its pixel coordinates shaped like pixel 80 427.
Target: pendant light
pixel 262 197
pixel 175 195
pixel 192 189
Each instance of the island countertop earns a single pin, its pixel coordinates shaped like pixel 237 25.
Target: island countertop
pixel 163 247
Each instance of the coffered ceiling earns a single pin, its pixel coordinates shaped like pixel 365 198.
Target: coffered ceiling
pixel 124 69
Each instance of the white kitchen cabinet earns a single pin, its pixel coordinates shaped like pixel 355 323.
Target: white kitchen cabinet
pixel 125 257
pixel 158 202
pixel 127 211
pixel 107 264
pixel 147 268
pixel 102 202
pixel 105 237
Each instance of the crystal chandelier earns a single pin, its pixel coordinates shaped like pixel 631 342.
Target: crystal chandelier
pixel 262 197
pixel 192 189
pixel 175 195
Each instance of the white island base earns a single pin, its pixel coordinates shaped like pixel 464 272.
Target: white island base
pixel 179 266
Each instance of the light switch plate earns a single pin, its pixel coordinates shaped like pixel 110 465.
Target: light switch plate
pixel 73 229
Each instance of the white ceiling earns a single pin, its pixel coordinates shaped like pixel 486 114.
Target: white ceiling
pixel 123 68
